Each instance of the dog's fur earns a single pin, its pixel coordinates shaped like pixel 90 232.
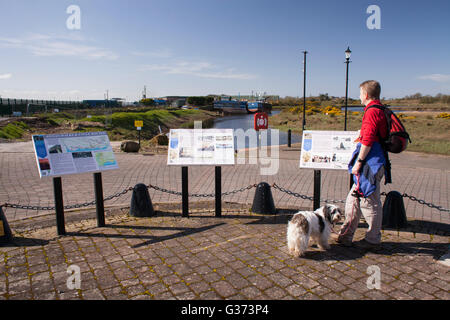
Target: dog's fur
pixel 308 224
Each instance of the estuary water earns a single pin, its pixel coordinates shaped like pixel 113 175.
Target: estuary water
pixel 246 123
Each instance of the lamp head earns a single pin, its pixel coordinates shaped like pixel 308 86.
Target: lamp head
pixel 348 52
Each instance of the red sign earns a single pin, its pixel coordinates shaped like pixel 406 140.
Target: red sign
pixel 261 121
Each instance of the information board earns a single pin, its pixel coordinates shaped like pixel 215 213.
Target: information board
pixel 327 149
pixel 61 154
pixel 201 147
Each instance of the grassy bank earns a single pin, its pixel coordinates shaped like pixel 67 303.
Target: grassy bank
pixel 13 130
pixel 429 132
pixel 118 125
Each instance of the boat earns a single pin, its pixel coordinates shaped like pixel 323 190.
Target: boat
pixel 235 106
pixel 259 106
pixel 231 106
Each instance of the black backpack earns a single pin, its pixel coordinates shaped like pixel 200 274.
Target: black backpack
pixel 397 138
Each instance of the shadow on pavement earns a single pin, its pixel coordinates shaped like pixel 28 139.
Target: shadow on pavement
pixel 151 239
pixel 388 248
pixel 425 227
pixel 25 242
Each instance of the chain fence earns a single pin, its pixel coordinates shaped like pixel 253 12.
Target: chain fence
pixel 208 195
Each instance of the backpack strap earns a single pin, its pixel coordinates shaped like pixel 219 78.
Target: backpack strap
pixel 387 114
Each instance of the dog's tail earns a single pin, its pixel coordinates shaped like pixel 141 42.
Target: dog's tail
pixel 300 221
pixel 298 229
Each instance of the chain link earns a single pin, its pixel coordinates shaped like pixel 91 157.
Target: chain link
pixel 423 202
pixel 208 195
pixel 298 195
pixel 72 206
pixel 199 195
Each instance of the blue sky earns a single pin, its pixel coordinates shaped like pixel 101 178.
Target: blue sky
pixel 199 47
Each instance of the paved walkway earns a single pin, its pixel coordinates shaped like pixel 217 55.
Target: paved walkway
pixel 426 177
pixel 237 256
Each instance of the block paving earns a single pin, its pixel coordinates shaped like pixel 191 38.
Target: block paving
pixel 240 255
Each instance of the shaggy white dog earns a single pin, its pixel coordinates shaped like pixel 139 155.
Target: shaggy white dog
pixel 311 224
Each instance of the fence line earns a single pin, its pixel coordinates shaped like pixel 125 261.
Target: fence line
pixel 210 195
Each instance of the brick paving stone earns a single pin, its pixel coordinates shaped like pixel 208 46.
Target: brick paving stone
pixel 93 294
pixel 260 282
pixel 157 288
pixel 251 292
pixel 237 281
pixel 223 288
pixel 213 263
pixel 199 287
pixel 426 287
pixel 332 284
pixel 418 294
pixel 400 295
pixel 443 295
pixel 280 280
pixel 376 295
pixel 275 293
pixel 210 295
pixel 296 290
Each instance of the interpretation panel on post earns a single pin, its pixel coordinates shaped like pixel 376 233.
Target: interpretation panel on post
pixel 71 153
pixel 201 147
pixel 327 149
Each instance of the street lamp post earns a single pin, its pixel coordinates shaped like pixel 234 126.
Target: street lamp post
pixel 347 61
pixel 304 90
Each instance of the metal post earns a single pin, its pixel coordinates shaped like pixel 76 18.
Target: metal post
pixel 304 90
pixel 100 207
pixel 184 192
pixel 59 206
pixel 346 94
pixel 289 138
pixel 218 191
pixel 317 178
pixel 139 139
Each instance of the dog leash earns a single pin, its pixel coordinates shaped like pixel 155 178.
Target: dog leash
pixel 357 195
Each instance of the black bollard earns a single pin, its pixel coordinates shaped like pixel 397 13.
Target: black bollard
pixel 99 202
pixel 59 206
pixel 394 213
pixel 263 200
pixel 141 204
pixel 184 192
pixel 317 182
pixel 289 138
pixel 5 232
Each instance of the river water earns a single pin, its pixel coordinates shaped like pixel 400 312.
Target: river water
pixel 246 122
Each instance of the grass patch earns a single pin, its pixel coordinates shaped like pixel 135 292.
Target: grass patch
pixel 428 134
pixel 120 125
pixel 13 130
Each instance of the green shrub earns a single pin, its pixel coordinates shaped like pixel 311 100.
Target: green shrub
pixel 13 130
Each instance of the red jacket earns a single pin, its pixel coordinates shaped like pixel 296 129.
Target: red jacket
pixel 373 125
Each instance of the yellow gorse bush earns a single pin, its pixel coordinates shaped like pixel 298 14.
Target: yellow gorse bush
pixel 330 110
pixel 443 115
pixel 405 117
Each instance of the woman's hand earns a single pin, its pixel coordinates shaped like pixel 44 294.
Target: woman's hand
pixel 356 168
